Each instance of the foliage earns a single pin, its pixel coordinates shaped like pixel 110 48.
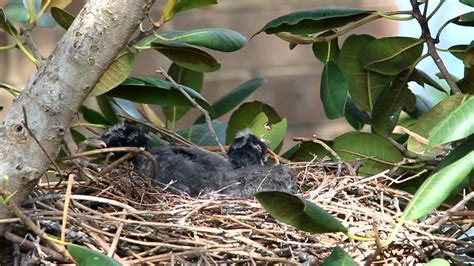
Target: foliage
pixel 367 80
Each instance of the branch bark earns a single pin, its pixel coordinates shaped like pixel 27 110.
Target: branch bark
pixel 54 94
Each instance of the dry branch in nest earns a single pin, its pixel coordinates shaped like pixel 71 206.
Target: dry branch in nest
pixel 125 215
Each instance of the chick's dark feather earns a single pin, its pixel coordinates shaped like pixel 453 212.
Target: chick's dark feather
pixel 194 171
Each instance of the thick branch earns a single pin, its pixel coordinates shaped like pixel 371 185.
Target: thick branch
pixel 53 95
pixel 430 42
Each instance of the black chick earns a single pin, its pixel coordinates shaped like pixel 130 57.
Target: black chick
pixel 194 171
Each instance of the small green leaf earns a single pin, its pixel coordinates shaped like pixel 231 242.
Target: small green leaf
pixel 188 78
pixel 458 124
pixel 390 55
pixel 428 121
pixel 88 257
pixel 234 98
pixel 437 261
pixel 115 74
pixel 105 106
pixel 175 6
pixel 355 117
pixel 219 39
pixel 422 78
pixel 375 157
pixel 468 2
pixel 326 51
pixel 464 53
pixel 5 24
pixel 339 257
pixel 438 187
pixel 156 91
pixel 389 104
pixel 62 17
pixel 77 136
pixel 93 116
pixel 298 212
pixel 313 21
pixel 364 86
pixel 187 56
pixel 200 134
pixel 466 84
pixel 263 121
pixel 466 19
pixel 305 152
pixel 333 91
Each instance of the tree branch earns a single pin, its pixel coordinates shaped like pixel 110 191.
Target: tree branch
pixel 431 43
pixel 54 94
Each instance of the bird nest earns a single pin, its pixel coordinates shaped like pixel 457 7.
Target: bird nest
pixel 125 215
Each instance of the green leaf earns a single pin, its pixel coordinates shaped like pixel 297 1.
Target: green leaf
pixel 468 2
pixel 128 108
pixel 62 17
pixel 298 212
pixel 201 136
pixel 88 257
pixel 156 91
pixel 389 104
pixel 234 98
pixel 437 261
pixel 77 136
pixel 390 55
pixel 466 84
pixel 376 157
pixel 5 24
pixel 464 52
pixel 355 117
pixel 313 21
pixel 438 187
pixel 219 39
pixel 305 152
pixel 93 116
pixel 428 121
pixel 458 124
pixel 188 78
pixel 115 74
pixel 364 86
pixel 105 106
pixel 187 56
pixel 262 120
pixel 333 91
pixel 339 257
pixel 466 19
pixel 175 6
pixel 326 51
pixel 422 78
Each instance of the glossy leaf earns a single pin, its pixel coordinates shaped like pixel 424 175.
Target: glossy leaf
pixel 333 91
pixel 187 56
pixel 62 17
pixel 438 261
pixel 375 152
pixel 466 19
pixel 466 84
pixel 5 24
pixel 261 119
pixel 219 39
pixel 120 69
pixel 201 136
pixel 92 116
pixel 298 212
pixel 326 51
pixel 339 257
pixel 438 187
pixel 57 4
pixel 364 86
pixel 88 257
pixel 313 21
pixel 355 117
pixel 128 108
pixel 188 78
pixel 305 152
pixel 458 124
pixel 464 53
pixel 389 104
pixel 77 136
pixel 234 98
pixel 175 6
pixel 422 78
pixel 391 55
pixel 107 110
pixel 156 91
pixel 428 121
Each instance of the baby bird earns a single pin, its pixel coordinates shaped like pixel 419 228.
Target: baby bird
pixel 194 171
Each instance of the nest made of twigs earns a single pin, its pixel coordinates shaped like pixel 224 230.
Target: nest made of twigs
pixel 125 215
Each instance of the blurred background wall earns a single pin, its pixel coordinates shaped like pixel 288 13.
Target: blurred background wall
pixel 293 76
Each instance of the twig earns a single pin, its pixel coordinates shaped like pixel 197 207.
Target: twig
pixel 67 200
pixel 430 42
pixel 445 217
pixel 29 42
pixel 202 110
pixel 30 245
pixel 25 124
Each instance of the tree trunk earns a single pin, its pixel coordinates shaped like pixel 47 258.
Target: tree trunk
pixel 54 94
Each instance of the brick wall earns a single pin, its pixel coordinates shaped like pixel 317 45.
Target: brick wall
pixel 293 76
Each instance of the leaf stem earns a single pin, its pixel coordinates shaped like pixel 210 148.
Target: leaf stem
pixel 441 2
pixel 359 238
pixel 7 47
pixel 23 48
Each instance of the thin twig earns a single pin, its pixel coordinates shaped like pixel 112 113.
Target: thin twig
pixel 67 200
pixel 202 110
